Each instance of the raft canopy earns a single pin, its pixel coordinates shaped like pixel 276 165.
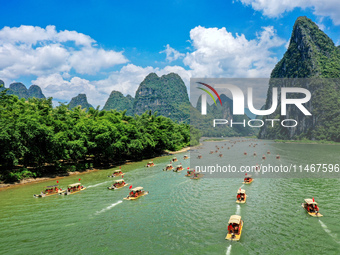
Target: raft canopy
pixel 74 184
pixel 168 165
pixel 179 166
pixel 242 191
pixel 150 162
pixel 310 201
pixel 248 176
pixel 53 186
pixel 117 171
pixel 234 219
pixel 120 180
pixel 174 158
pixel 137 189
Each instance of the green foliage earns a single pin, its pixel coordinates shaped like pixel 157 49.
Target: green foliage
pixel 117 101
pixel 311 54
pixel 34 134
pixel 214 140
pixel 166 95
pixel 18 175
pixel 80 100
pixel 35 91
pixel 18 89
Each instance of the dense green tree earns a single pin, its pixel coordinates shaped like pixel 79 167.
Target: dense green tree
pixel 34 135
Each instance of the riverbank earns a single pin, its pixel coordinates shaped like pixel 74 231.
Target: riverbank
pixel 180 151
pixel 46 178
pixel 307 142
pixel 58 177
pixel 215 140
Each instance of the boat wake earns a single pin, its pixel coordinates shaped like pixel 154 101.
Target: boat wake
pixel 228 250
pixel 109 207
pixel 238 210
pixel 91 186
pixel 183 182
pixel 334 236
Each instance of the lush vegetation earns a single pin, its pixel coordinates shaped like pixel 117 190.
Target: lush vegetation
pixel 311 54
pixel 214 140
pixel 117 101
pixel 80 100
pixel 20 90
pixel 166 94
pixel 37 139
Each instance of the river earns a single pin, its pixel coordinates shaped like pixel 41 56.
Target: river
pixel 180 215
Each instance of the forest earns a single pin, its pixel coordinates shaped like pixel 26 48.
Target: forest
pixel 37 139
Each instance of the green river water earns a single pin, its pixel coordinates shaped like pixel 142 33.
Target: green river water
pixel 180 215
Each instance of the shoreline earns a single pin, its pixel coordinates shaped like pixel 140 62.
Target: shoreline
pixel 46 178
pixel 180 151
pixel 42 179
pixel 306 142
pixel 215 140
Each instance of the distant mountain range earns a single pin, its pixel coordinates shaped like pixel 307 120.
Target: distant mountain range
pixel 311 54
pixel 21 91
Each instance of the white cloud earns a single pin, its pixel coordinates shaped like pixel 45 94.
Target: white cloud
pixel 28 50
pixel 172 54
pixel 125 80
pixel 31 35
pixel 270 8
pixel 59 60
pixel 91 60
pixel 56 86
pixel 220 54
pixel 183 73
pixel 321 26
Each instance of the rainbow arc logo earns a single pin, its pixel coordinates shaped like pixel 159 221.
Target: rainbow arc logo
pixel 209 93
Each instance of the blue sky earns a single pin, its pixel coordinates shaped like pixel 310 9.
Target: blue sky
pixel 94 47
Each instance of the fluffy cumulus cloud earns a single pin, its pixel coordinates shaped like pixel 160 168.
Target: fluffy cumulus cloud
pixel 172 54
pixel 60 88
pixel 62 61
pixel 126 80
pixel 29 50
pixel 218 53
pixel 270 8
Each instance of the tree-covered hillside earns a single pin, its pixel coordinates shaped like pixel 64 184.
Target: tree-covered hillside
pixel 166 94
pixel 117 101
pixel 311 54
pixel 34 135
